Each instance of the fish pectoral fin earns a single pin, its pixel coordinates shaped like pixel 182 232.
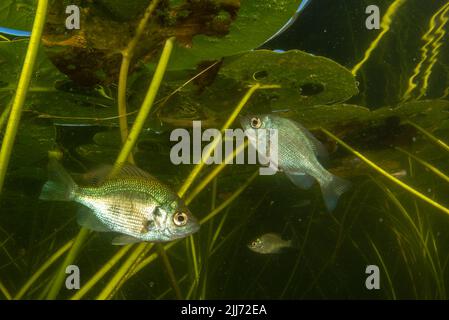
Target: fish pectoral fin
pixel 87 219
pixel 124 239
pixel 319 149
pixel 302 180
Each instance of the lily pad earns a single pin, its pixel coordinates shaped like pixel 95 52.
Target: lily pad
pixel 305 79
pixel 205 30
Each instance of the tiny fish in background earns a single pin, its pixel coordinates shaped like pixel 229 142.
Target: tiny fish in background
pixel 269 243
pixel 133 203
pixel 298 155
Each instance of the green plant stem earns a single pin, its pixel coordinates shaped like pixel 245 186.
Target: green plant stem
pixel 69 259
pixel 170 272
pixel 42 269
pixel 196 170
pixel 146 106
pixel 430 136
pixel 209 216
pixel 111 287
pixel 425 164
pixel 4 116
pixel 22 88
pixel 127 56
pixel 100 273
pixel 387 175
pixel 215 172
pixel 116 281
pixel 5 291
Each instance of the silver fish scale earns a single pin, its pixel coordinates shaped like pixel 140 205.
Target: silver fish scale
pixel 295 147
pixel 126 205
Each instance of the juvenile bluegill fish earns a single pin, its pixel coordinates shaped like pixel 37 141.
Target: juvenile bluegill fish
pixel 132 203
pixel 298 153
pixel 269 243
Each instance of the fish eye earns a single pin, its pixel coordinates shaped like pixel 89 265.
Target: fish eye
pixel 180 219
pixel 256 123
pixel 254 244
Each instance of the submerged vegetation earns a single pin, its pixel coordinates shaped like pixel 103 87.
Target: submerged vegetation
pixel 112 91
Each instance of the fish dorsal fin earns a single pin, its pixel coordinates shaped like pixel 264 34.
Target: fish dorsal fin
pixel 319 150
pixel 129 170
pixel 97 176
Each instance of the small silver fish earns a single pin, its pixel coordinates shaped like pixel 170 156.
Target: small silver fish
pixel 132 203
pixel 298 154
pixel 269 243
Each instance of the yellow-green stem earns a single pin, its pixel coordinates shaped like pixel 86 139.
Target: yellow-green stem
pixel 386 174
pixel 170 272
pixel 204 182
pixel 22 88
pixel 196 170
pixel 127 56
pixel 100 273
pixel 111 287
pixel 5 291
pixel 425 164
pixel 429 136
pixel 42 269
pixel 69 259
pixel 146 106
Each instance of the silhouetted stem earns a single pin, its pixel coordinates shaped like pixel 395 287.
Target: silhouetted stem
pixel 146 107
pixel 127 56
pixel 386 174
pixel 42 269
pixel 22 88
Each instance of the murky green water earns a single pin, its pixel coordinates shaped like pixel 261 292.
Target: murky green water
pixel 383 92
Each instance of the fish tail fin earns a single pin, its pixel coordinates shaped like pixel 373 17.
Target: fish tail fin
pixel 333 190
pixel 60 185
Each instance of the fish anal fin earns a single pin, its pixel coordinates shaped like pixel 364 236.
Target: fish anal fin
pixel 301 180
pixel 124 240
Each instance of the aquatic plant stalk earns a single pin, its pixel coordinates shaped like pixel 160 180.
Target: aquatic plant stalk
pixel 422 238
pixel 209 216
pixel 54 257
pixel 69 259
pixel 22 88
pixel 5 291
pixel 425 164
pixel 385 25
pixel 196 170
pixel 215 172
pixel 4 117
pixel 100 273
pixel 386 174
pixel 429 135
pixel 430 39
pixel 384 268
pixel 115 283
pixel 146 107
pixel 127 56
pixel 170 272
pixel 119 275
